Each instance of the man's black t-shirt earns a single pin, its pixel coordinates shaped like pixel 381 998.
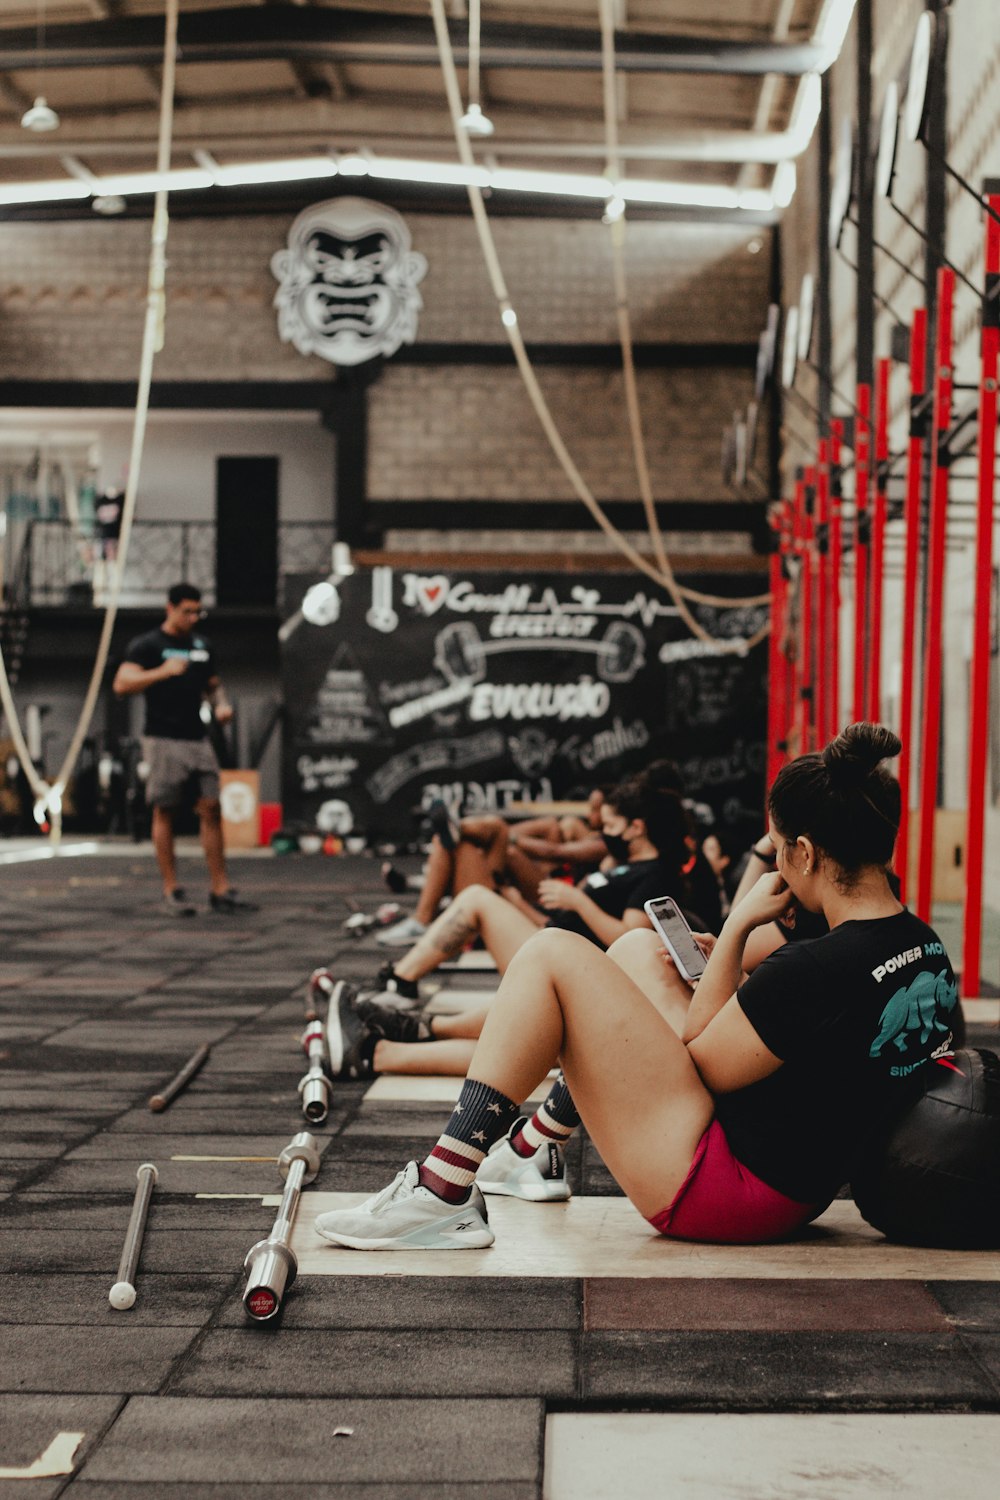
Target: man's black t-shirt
pixel 615 891
pixel 857 1017
pixel 173 707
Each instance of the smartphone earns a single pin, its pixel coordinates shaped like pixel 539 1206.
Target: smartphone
pixel 668 919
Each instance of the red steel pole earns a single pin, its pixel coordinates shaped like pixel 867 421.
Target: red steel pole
pixel 979 684
pixel 807 681
pixel 821 696
pixel 788 643
pixel 795 633
pixel 911 578
pixel 930 719
pixel 862 480
pixel 836 567
pixel 776 662
pixel 879 509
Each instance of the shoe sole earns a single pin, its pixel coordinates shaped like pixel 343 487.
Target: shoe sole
pixel 334 1031
pixel 543 1193
pixel 478 1241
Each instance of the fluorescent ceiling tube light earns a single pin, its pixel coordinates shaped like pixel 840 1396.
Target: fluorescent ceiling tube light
pixel 178 180
pixel 43 192
pixel 832 27
pixel 562 184
pixel 353 164
pixel 434 173
pixel 784 184
pixel 399 169
pixel 297 170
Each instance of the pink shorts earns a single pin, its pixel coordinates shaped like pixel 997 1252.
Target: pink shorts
pixel 722 1200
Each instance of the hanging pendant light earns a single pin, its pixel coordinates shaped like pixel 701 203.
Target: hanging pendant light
pixel 474 121
pixel 41 117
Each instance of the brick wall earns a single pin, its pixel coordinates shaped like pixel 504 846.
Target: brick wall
pixel 72 294
pixel 471 432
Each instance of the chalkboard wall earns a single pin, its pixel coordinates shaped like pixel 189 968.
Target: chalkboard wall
pixel 484 688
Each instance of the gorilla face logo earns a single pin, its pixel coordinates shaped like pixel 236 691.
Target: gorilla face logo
pixel 348 282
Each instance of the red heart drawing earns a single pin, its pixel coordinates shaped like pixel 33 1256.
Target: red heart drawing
pixel 432 592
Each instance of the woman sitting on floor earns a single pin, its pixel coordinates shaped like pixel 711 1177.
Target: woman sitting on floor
pixel 744 1128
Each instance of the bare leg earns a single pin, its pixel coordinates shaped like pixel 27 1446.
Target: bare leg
pixel 474 911
pixel 467 1024
pixel 451 1058
pixel 210 818
pixel 632 1079
pixel 479 863
pixel 639 954
pixel 438 872
pixel 526 872
pixel 472 863
pixel 163 844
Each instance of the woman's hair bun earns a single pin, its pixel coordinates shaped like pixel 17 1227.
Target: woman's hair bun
pixel 854 754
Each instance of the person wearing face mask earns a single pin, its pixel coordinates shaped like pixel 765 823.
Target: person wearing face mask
pixel 644 829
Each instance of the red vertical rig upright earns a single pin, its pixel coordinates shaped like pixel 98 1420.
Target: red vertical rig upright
pixel 979 677
pixel 930 717
pixel 807 677
pixel 836 568
pixel 862 520
pixel 821 695
pixel 879 509
pixel 787 634
pixel 777 676
pixel 795 614
pixel 911 579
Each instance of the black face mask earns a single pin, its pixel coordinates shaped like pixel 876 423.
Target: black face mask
pixel 617 846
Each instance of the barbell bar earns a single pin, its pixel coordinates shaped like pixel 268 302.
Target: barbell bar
pixel 460 654
pixel 271 1264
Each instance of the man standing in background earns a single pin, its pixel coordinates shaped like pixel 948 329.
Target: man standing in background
pixel 173 666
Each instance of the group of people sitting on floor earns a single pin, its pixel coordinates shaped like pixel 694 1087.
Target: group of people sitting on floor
pixel 730 1109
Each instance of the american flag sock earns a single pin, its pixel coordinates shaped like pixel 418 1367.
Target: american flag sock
pixel 482 1115
pixel 555 1120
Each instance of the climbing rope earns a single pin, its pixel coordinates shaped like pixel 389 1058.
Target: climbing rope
pixel 662 576
pixel 49 796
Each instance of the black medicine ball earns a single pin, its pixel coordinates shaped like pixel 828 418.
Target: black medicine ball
pixel 934 1177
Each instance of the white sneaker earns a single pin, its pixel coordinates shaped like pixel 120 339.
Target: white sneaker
pixel 406 1216
pixel 401 934
pixel 540 1177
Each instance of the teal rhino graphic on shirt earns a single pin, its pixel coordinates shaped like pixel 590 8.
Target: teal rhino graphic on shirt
pixel 921 1006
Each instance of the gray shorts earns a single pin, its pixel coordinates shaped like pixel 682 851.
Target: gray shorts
pixel 180 771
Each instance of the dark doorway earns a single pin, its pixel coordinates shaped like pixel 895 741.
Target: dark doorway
pixel 246 531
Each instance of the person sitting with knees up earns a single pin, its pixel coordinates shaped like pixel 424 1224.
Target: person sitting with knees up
pixel 643 829
pixel 742 1128
pixel 487 850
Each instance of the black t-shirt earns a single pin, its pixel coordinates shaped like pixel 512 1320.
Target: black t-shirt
pixel 173 707
pixel 799 925
pixel 699 894
pixel 856 1016
pixel 615 891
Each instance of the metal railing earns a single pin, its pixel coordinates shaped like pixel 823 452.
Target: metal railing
pixel 52 564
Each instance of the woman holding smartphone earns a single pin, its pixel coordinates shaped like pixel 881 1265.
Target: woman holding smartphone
pixel 743 1128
